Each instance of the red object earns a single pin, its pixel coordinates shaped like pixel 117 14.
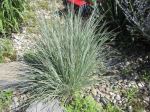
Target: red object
pixel 78 2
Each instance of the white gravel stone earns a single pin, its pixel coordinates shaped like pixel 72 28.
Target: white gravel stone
pixel 141 84
pixel 15 103
pixel 129 85
pixel 117 97
pixel 147 99
pixel 94 92
pixel 114 101
pixel 120 102
pixel 112 94
pixel 130 109
pixel 127 63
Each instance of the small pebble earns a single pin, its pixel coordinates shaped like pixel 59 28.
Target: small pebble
pixel 104 101
pixel 127 63
pixel 147 99
pixel 117 97
pixel 94 92
pixel 114 101
pixel 141 84
pixel 130 109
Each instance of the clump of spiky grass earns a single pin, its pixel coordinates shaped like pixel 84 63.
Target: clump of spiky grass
pixel 65 57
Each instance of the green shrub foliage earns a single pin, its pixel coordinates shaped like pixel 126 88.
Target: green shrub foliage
pixel 83 104
pixel 11 15
pixel 87 104
pixel 5 100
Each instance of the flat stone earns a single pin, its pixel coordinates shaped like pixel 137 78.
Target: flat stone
pixel 96 98
pixel 10 72
pixel 104 101
pixel 53 106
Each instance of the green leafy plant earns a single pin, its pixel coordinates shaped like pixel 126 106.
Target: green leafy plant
pixel 5 100
pixel 83 104
pixel 131 93
pixel 11 15
pixel 145 76
pixel 112 108
pixel 65 57
pixel 126 71
pixel 6 50
pixel 133 97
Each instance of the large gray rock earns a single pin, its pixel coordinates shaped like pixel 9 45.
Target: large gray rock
pixel 54 106
pixel 11 72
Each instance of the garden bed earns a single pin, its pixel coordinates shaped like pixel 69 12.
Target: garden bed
pixel 63 58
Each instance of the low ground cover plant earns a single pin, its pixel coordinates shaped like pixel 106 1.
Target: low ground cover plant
pixel 5 100
pixel 133 99
pixel 112 108
pixel 145 76
pixel 6 50
pixel 85 103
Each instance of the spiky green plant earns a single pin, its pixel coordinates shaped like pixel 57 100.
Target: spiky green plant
pixel 113 14
pixel 11 15
pixel 138 14
pixel 64 58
